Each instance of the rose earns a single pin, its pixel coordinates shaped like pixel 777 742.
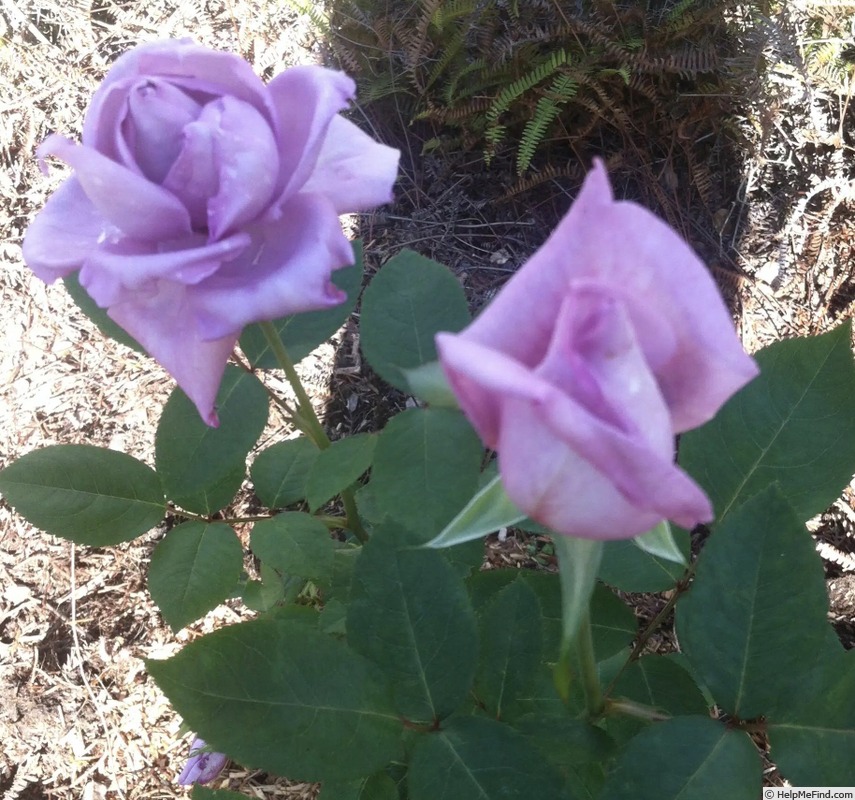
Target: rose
pixel 611 339
pixel 203 201
pixel 203 765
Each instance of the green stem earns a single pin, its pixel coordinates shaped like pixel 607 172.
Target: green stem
pixel 305 411
pixel 629 708
pixel 180 512
pixel 312 427
pixel 588 669
pixel 654 625
pixel 333 523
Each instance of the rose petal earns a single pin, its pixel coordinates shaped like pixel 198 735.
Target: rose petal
pixel 306 99
pixel 162 322
pixel 157 116
pixel 491 387
pixel 133 205
pixel 193 177
pixel 246 161
pixel 595 359
pixel 353 170
pixel 63 233
pixel 647 479
pixel 111 273
pixel 285 270
pixel 182 63
pixel 683 326
pixel 202 767
pixel 558 487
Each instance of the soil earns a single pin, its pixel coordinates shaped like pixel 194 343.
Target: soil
pixel 79 718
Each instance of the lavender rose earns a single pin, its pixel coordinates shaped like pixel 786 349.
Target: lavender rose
pixel 203 765
pixel 203 200
pixel 611 339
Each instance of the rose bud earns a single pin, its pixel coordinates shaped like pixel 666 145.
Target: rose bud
pixel 610 340
pixel 203 200
pixel 202 766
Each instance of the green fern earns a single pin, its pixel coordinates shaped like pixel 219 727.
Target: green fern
pixel 548 108
pixel 526 82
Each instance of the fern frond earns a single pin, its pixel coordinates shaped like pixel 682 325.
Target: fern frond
pixel 320 20
pixel 526 82
pixel 547 109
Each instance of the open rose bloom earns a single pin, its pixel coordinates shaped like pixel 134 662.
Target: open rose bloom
pixel 610 340
pixel 203 200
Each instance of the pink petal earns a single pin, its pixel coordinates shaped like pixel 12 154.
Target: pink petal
pixel 558 487
pixel 286 269
pixel 246 162
pixel 112 272
pixel 193 177
pixel 126 200
pixel 353 170
pixel 306 99
pixel 181 62
pixel 509 405
pixel 683 326
pixel 162 322
pixel 646 478
pixel 594 358
pixel 154 125
pixel 63 233
pixel 482 378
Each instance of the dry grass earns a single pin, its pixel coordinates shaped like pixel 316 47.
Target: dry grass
pixel 79 718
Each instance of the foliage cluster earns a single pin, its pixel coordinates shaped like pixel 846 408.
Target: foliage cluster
pixel 392 671
pixel 513 76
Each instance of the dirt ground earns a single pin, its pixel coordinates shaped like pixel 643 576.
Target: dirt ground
pixel 79 718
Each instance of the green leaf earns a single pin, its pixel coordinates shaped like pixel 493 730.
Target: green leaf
pixel 97 314
pixel 626 566
pixel 613 625
pixel 215 497
pixel 87 494
pixel 754 619
pixel 412 617
pixel 794 425
pixel 282 697
pixel 686 758
pixel 659 682
pixel 480 759
pixel 193 569
pixel 426 467
pixel 407 303
pixel 339 466
pixel 813 738
pixel 265 594
pixel 489 510
pixel 190 456
pixel 202 793
pixel 659 541
pixel 294 544
pixel 375 787
pixel 302 333
pixel 578 748
pixel 511 647
pixel 428 382
pixel 280 473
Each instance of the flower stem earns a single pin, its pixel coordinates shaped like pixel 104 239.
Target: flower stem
pixel 588 668
pixel 311 425
pixel 305 412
